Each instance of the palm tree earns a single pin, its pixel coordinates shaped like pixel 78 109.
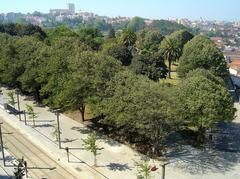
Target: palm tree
pixel 128 38
pixel 170 52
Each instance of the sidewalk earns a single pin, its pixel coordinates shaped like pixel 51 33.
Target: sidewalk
pixel 115 160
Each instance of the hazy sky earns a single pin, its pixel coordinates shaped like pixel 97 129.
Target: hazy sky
pixel 155 9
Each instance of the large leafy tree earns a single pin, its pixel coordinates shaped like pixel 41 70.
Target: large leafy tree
pixel 166 27
pixel 88 75
pixel 91 36
pixel 57 68
pixel 202 100
pixel 32 79
pixel 170 52
pixel 24 30
pixel 148 40
pixel 151 65
pixel 136 106
pixel 136 24
pixel 201 52
pixel 15 55
pixel 59 32
pixel 118 51
pixel 10 68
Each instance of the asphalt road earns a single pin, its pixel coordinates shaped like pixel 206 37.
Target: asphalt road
pixel 40 165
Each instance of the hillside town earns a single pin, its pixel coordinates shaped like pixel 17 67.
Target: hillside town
pixel 137 95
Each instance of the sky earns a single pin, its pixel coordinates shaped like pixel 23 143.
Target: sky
pixel 153 9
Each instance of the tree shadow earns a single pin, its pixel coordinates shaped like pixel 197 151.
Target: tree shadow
pixel 42 125
pixel 66 140
pixel 6 177
pixel 42 168
pixel 82 130
pixel 219 155
pixel 76 148
pixel 111 142
pixel 118 167
pixel 36 121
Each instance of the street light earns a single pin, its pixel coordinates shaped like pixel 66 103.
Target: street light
pixel 25 117
pixel 163 171
pixel 25 168
pixel 58 126
pixel 2 148
pixel 18 102
pixel 67 150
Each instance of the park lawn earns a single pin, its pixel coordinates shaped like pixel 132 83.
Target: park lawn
pixel 174 66
pixel 75 114
pixel 173 81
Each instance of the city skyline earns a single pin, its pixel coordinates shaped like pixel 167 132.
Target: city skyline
pixel 153 9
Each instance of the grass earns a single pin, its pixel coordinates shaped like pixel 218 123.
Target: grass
pixel 173 81
pixel 75 114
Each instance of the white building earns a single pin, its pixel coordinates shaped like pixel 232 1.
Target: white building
pixel 70 10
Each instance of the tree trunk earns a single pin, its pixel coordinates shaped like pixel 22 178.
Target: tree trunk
pixel 37 95
pixel 169 68
pixel 82 111
pixel 200 135
pixel 95 160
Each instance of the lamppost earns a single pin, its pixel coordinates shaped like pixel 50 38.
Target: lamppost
pixel 25 168
pixel 163 171
pixel 67 150
pixel 25 117
pixel 18 102
pixel 58 127
pixel 2 148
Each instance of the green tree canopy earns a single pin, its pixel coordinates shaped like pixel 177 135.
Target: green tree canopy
pixel 201 52
pixel 202 101
pixel 23 30
pixel 128 38
pixel 166 27
pixel 149 40
pixel 151 65
pixel 111 33
pixel 118 51
pixel 180 38
pixel 136 24
pixel 32 79
pixel 91 36
pixel 54 34
pixel 57 70
pixel 170 52
pixel 89 73
pixel 136 106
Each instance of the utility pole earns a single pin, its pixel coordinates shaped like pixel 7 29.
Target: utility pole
pixel 18 102
pixel 2 148
pixel 58 126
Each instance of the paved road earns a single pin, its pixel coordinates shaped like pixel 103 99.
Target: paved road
pixel 39 163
